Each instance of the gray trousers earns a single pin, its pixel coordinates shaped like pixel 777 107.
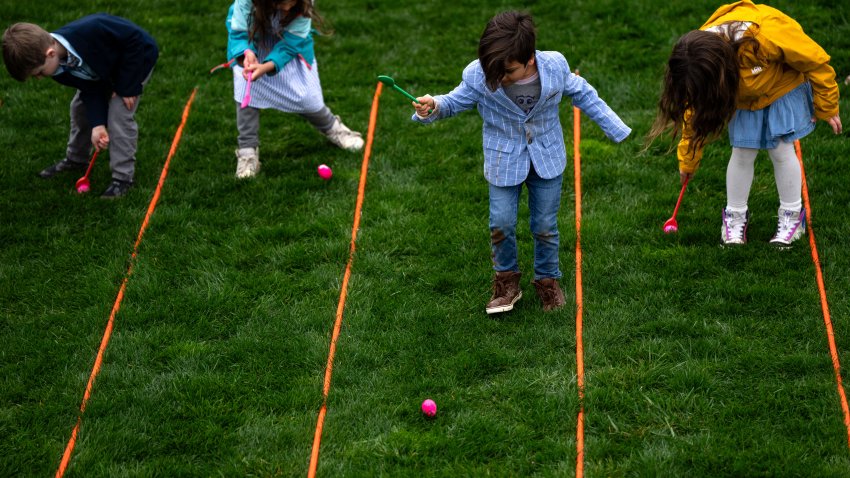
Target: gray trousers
pixel 123 135
pixel 248 124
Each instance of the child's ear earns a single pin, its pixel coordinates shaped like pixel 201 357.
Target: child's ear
pixel 53 49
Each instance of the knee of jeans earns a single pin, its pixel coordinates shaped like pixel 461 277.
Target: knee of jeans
pixel 544 226
pixel 545 234
pixel 500 233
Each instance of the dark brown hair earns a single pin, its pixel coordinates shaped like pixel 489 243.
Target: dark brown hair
pixel 25 49
pixel 702 76
pixel 263 12
pixel 509 36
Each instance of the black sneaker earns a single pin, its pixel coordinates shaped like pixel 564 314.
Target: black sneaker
pixel 117 189
pixel 61 167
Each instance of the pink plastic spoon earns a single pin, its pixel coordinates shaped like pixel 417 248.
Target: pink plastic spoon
pixel 83 185
pixel 247 98
pixel 671 225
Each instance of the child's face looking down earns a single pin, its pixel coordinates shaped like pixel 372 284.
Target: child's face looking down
pixel 51 64
pixel 516 71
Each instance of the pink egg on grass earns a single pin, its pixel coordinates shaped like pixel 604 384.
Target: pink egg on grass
pixel 82 188
pixel 429 408
pixel 671 228
pixel 325 172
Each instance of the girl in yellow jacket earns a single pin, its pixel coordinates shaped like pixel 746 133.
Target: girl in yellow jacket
pixel 750 67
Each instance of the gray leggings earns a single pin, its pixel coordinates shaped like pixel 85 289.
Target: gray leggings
pixel 248 124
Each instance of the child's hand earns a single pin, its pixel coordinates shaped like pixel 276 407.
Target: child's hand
pixel 835 122
pixel 425 107
pixel 130 101
pixel 258 70
pixel 249 61
pixel 99 137
pixel 685 177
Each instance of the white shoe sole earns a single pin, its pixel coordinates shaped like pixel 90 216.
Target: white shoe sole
pixel 505 308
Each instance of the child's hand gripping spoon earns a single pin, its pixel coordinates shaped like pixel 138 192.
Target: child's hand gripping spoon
pixel 391 83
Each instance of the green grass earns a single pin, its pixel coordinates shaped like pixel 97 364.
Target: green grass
pixel 700 361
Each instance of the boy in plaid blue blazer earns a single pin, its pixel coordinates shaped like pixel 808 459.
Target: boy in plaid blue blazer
pixel 517 90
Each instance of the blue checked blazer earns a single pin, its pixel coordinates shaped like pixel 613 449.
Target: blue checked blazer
pixel 512 139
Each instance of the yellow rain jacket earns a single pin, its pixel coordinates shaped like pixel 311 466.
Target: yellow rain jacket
pixel 786 58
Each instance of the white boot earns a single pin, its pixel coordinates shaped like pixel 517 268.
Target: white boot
pixel 340 135
pixel 247 162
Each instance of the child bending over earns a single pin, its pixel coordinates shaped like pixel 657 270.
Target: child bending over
pixel 108 60
pixel 750 67
pixel 273 43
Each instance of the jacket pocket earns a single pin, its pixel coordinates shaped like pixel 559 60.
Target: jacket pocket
pixel 502 145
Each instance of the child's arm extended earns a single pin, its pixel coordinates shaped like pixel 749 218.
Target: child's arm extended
pixel 462 98
pixel 586 99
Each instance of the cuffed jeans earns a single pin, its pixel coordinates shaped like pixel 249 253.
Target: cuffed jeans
pixel 544 201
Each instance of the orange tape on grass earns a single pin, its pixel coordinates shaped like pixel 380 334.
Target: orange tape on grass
pixel 833 350
pixel 107 334
pixel 579 295
pixel 361 193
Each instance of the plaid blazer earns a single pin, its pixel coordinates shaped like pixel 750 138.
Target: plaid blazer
pixel 512 139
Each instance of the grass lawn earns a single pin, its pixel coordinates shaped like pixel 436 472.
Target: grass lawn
pixel 699 361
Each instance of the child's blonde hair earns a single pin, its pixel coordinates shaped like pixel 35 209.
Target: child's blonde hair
pixel 25 49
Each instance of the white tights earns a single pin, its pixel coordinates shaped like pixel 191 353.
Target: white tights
pixel 786 169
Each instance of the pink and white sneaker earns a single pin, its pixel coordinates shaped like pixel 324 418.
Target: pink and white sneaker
pixel 734 229
pixel 792 226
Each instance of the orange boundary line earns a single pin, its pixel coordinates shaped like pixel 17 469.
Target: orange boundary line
pixel 833 350
pixel 107 334
pixel 579 295
pixel 361 193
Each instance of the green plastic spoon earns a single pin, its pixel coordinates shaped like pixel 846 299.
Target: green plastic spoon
pixel 391 82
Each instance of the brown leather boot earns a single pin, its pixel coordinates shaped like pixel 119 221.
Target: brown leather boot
pixel 550 294
pixel 505 292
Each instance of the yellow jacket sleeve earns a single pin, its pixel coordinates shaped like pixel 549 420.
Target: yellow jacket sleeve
pixel 688 155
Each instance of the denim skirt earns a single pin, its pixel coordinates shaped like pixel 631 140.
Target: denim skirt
pixel 788 118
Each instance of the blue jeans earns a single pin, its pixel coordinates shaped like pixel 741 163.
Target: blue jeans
pixel 544 200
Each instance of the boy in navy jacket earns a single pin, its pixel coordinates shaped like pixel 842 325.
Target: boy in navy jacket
pixel 108 60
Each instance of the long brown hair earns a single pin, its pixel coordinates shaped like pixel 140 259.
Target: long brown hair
pixel 702 77
pixel 263 12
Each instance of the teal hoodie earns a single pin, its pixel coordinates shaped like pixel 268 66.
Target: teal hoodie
pixel 297 38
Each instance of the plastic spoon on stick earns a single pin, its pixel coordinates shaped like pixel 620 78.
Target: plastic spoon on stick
pixel 391 83
pixel 247 98
pixel 83 184
pixel 671 225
